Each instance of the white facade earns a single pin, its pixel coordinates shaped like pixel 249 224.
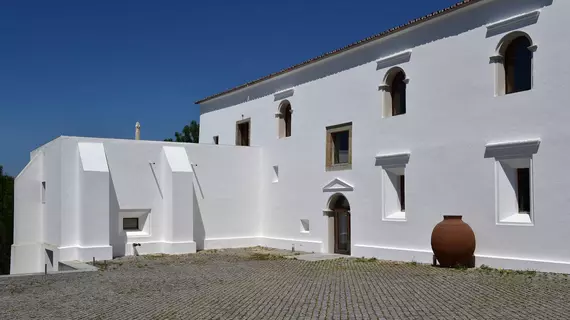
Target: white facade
pixel 75 193
pixel 458 144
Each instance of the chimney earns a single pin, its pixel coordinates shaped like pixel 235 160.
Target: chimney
pixel 138 131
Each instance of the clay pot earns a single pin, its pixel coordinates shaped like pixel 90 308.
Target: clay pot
pixel 453 242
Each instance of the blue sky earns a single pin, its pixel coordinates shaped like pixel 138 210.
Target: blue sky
pixel 94 68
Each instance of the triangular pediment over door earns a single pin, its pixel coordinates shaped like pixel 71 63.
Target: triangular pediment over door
pixel 338 185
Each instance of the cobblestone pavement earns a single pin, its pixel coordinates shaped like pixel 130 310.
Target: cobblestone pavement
pixel 252 284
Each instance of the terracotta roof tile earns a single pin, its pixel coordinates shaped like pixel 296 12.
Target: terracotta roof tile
pixel 353 45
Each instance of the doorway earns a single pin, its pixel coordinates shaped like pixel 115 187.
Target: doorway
pixel 340 209
pixel 243 132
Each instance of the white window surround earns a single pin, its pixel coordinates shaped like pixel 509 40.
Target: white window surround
pixel 386 87
pixel 506 206
pixel 144 222
pixel 280 95
pixel 394 59
pixel 275 174
pixel 393 166
pixel 509 156
pixel 305 228
pixel 392 159
pixel 512 149
pixel 498 60
pixel 513 22
pixel 279 113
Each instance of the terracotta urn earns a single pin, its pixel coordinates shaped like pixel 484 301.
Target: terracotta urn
pixel 453 242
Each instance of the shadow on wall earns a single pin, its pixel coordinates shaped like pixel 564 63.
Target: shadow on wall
pixel 117 238
pixel 199 231
pixel 450 26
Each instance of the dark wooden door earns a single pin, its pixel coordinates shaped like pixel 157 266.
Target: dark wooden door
pixel 342 232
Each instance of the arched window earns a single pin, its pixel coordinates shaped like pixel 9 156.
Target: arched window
pixel 518 65
pixel 284 117
pixel 394 92
pixel 398 94
pixel 513 63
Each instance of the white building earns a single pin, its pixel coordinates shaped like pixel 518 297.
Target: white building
pixel 359 151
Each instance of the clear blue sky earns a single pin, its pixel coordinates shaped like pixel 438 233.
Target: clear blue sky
pixel 94 68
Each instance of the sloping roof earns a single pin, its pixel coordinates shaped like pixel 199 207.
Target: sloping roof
pixel 457 6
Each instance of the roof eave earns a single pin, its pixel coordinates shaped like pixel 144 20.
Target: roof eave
pixel 412 23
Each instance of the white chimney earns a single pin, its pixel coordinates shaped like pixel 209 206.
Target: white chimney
pixel 138 131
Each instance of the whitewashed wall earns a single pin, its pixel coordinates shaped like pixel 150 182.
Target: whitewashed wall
pixel 452 114
pixel 188 195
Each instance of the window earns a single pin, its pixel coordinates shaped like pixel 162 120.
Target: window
pixel 43 192
pixel 275 174
pixel 243 132
pixel 305 226
pixel 518 66
pixel 130 224
pixel 339 147
pixel 394 197
pixel 216 139
pixel 513 162
pixel 394 93
pixel 513 64
pixel 284 116
pixel 393 185
pixel 523 189
pixel 398 94
pixel 514 190
pixel 402 193
pixel 288 121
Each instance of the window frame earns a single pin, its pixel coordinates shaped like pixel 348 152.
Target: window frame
pixel 507 194
pixel 330 147
pixel 388 90
pixel 137 228
pixel 398 88
pixel 239 133
pixel 511 65
pixel 500 61
pixel 284 117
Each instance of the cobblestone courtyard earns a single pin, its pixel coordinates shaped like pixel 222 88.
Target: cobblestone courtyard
pixel 259 284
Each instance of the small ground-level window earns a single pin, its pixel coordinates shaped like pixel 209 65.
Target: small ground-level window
pixel 130 224
pixel 339 147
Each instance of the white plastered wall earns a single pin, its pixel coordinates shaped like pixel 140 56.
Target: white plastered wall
pixel 452 114
pixel 185 195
